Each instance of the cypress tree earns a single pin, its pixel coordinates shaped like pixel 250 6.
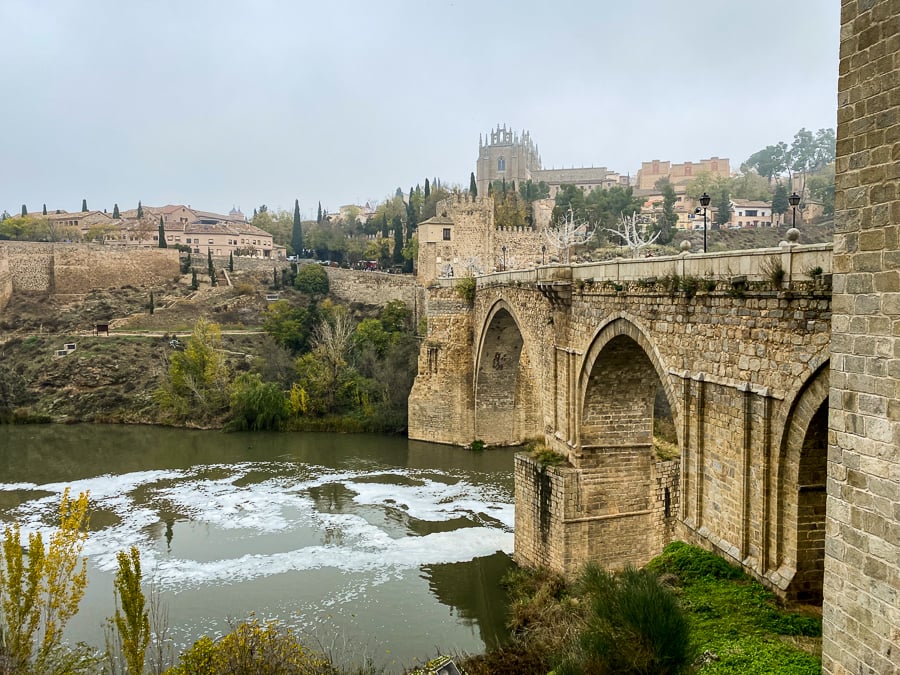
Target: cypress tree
pixel 297 230
pixel 210 268
pixel 319 215
pixel 473 187
pixel 411 221
pixel 427 189
pixel 24 211
pixel 274 278
pixel 140 213
pixel 384 226
pixel 84 207
pixel 45 210
pixel 194 283
pixel 162 234
pixel 230 261
pixel 116 212
pixel 152 307
pixel 490 189
pixel 398 240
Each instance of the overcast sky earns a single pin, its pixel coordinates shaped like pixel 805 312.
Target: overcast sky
pixel 219 103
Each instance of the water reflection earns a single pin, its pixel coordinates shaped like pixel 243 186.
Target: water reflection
pixel 475 593
pixel 364 536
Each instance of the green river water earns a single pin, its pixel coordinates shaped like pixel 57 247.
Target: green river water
pixel 371 546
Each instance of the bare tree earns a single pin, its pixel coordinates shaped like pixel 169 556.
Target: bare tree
pixel 566 233
pixel 633 234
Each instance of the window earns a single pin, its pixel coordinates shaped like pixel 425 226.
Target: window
pixel 210 241
pixel 446 234
pixel 752 212
pixel 501 164
pixel 188 240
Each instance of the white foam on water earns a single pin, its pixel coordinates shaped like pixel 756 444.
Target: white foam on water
pixel 282 504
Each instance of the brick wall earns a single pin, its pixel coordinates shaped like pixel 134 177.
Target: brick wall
pixel 861 613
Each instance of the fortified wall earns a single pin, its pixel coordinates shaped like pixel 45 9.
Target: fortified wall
pixel 78 268
pixel 462 240
pixel 6 282
pixel 861 614
pixel 376 288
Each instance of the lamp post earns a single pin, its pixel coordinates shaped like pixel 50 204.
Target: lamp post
pixel 793 200
pixel 704 202
pixel 503 248
pixel 543 252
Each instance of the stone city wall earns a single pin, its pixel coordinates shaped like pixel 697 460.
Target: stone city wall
pixel 78 268
pixel 31 265
pixel 375 288
pixel 6 281
pixel 861 612
pixel 79 271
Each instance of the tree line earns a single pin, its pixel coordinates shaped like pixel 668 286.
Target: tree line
pixel 324 368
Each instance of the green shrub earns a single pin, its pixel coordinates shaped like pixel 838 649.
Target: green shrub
pixel 465 288
pixel 256 405
pixel 634 625
pixel 252 648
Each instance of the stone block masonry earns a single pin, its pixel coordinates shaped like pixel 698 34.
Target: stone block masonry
pixel 861 613
pixel 579 356
pixel 6 282
pixel 79 268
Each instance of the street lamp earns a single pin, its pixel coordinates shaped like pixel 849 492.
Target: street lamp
pixel 503 248
pixel 543 252
pixel 704 202
pixel 794 199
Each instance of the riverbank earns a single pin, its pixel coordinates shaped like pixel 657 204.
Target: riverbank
pixel 734 625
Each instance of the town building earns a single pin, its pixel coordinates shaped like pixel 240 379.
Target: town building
pixel 504 154
pixel 201 231
pixel 679 174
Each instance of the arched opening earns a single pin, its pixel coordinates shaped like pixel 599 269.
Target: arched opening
pixel 627 495
pixel 802 478
pixel 811 477
pixel 505 400
pixel 625 403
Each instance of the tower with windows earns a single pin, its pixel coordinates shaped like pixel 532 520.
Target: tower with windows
pixel 506 155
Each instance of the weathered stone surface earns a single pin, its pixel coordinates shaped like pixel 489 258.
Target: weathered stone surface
pixel 861 614
pixel 744 374
pixel 78 268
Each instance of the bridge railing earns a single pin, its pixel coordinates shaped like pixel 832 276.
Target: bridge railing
pixel 799 262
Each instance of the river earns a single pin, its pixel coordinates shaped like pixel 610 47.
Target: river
pixel 372 546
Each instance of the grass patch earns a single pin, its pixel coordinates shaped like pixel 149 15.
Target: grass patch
pixel 735 621
pixel 544 455
pixel 735 625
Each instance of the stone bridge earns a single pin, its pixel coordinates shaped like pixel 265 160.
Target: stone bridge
pixel 688 395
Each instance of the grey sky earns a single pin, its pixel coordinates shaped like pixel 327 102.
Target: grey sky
pixel 221 103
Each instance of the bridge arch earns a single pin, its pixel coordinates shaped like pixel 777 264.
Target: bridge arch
pixel 800 494
pixel 622 386
pixel 506 392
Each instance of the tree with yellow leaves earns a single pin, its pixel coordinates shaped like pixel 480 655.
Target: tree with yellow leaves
pixel 40 590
